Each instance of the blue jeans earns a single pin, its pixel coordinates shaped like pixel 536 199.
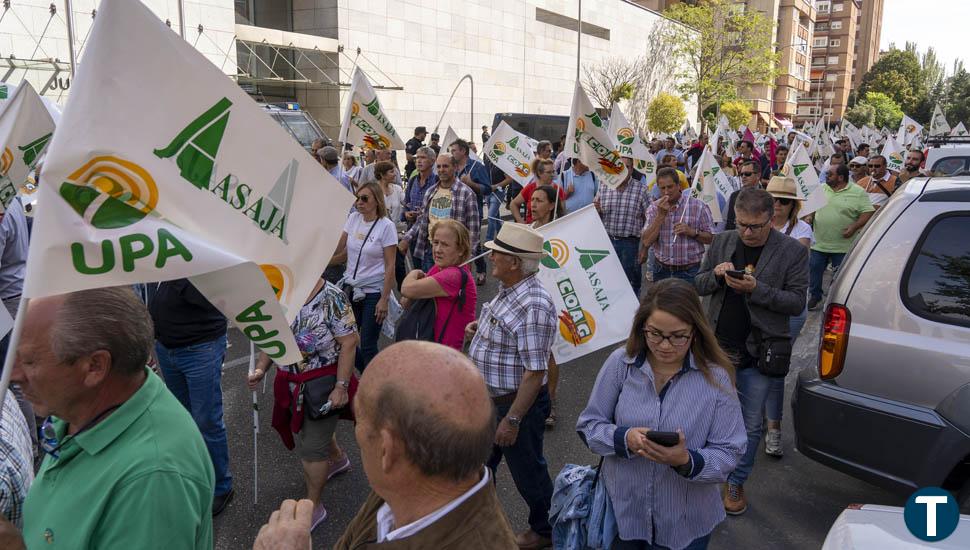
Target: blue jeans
pixel 699 543
pixel 817 262
pixel 368 327
pixel 752 392
pixel 495 201
pixel 775 404
pixel 660 273
pixel 627 250
pixel 527 463
pixel 194 376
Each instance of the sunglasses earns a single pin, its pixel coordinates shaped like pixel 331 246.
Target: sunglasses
pixel 363 198
pixel 784 202
pixel 875 166
pixel 746 174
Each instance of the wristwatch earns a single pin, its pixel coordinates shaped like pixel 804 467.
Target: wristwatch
pixel 514 421
pixel 344 383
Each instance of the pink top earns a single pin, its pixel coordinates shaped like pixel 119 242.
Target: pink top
pixel 450 281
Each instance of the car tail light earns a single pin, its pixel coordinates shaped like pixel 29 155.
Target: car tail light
pixel 835 341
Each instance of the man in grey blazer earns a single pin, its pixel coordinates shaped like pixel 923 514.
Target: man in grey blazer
pixel 755 279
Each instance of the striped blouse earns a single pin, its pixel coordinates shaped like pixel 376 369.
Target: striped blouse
pixel 652 502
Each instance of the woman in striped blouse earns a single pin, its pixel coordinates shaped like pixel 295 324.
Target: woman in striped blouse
pixel 671 376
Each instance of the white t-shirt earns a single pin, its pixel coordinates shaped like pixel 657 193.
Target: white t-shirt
pixel 801 231
pixel 372 261
pixel 394 204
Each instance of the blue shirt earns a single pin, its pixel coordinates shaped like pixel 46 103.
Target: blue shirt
pixel 479 174
pixel 338 174
pixel 414 197
pixel 650 498
pixel 13 250
pixel 584 189
pixel 664 153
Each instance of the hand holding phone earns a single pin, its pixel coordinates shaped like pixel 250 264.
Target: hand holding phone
pixel 735 273
pixel 667 439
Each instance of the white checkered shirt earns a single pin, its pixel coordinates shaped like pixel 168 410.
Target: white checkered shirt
pixel 515 333
pixel 624 209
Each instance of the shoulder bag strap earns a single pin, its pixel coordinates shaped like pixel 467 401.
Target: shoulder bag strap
pixel 884 190
pixel 460 299
pixel 363 244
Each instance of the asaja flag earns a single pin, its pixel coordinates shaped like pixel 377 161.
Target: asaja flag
pixel 202 185
pixel 959 130
pixel 510 151
pixel 588 285
pixel 908 130
pixel 629 144
pixel 365 124
pixel 809 188
pixel 893 152
pixel 25 129
pixel 589 140
pixel 711 184
pixel 938 124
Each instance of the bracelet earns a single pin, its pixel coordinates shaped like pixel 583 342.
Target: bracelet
pixel 345 384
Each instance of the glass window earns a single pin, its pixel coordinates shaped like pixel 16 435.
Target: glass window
pixel 820 42
pixel 836 25
pixel 298 126
pixel 838 7
pixel 937 284
pixel 833 59
pixel 835 43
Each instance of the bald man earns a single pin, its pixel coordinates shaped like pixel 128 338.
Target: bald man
pixel 423 446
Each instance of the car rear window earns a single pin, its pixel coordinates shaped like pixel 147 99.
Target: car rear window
pixel 950 166
pixel 936 284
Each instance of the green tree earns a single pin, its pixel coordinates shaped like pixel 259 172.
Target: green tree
pixel 899 75
pixel 737 113
pixel 958 97
pixel 886 113
pixel 666 113
pixel 861 114
pixel 721 49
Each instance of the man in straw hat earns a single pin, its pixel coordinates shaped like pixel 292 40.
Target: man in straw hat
pixel 510 345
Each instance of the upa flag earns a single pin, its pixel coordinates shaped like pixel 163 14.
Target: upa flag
pixel 959 130
pixel 365 124
pixel 629 144
pixel 587 284
pixel 908 129
pixel 203 185
pixel 938 124
pixel 25 129
pixel 893 152
pixel 711 184
pixel 511 152
pixel 590 141
pixel 807 184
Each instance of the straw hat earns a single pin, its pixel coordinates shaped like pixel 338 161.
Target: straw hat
pixel 783 187
pixel 518 240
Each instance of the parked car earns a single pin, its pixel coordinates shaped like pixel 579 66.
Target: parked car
pixel 875 527
pixel 948 155
pixel 537 127
pixel 297 122
pixel 889 402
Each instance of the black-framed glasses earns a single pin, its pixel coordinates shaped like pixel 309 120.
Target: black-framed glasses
pixel 746 174
pixel 875 166
pixel 753 227
pixel 656 338
pixel 781 201
pixel 363 198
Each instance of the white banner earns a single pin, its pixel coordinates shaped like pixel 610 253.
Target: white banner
pixel 451 136
pixel 799 166
pixel 908 130
pixel 510 151
pixel 365 124
pixel 630 145
pixel 591 143
pixel 25 129
pixel 709 182
pixel 893 152
pixel 959 130
pixel 588 286
pixel 202 185
pixel 938 124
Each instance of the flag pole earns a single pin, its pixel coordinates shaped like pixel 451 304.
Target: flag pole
pixel 18 329
pixel 252 369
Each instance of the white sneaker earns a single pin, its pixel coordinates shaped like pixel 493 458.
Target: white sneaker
pixel 773 443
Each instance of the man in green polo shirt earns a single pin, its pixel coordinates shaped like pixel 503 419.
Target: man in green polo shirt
pixel 125 465
pixel 836 225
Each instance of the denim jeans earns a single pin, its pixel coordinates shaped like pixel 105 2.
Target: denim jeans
pixel 368 327
pixel 817 262
pixel 775 404
pixel 660 273
pixel 752 392
pixel 699 543
pixel 627 250
pixel 495 201
pixel 527 463
pixel 194 376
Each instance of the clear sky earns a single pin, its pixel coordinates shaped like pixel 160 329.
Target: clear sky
pixel 938 23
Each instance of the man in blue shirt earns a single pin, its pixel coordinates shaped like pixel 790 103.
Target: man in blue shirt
pixel 669 149
pixel 473 174
pixel 330 159
pixel 419 183
pixel 580 185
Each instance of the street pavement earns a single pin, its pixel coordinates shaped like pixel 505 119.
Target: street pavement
pixel 792 501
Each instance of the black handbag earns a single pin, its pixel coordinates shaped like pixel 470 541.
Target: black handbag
pixel 417 321
pixel 349 289
pixel 774 355
pixel 316 394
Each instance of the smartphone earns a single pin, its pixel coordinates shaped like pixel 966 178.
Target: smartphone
pixel 667 439
pixel 735 273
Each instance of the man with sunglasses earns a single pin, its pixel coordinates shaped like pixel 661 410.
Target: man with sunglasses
pixel 756 278
pixel 858 169
pixel 749 174
pixel 881 183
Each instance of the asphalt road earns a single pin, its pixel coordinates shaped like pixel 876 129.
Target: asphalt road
pixel 792 501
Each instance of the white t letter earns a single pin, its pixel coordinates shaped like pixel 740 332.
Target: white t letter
pixel 931 502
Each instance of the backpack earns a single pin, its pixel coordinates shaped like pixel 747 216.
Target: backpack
pixel 417 321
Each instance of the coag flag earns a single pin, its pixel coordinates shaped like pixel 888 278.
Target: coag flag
pixel 893 152
pixel 510 151
pixel 710 182
pixel 908 129
pixel 629 144
pixel 201 185
pixel 938 124
pixel 365 124
pixel 588 285
pixel 809 188
pixel 25 129
pixel 959 130
pixel 589 140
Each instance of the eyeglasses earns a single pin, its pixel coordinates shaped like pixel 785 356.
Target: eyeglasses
pixel 875 166
pixel 746 174
pixel 656 337
pixel 783 202
pixel 752 227
pixel 363 198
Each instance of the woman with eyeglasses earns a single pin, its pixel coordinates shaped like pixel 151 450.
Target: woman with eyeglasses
pixel 665 416
pixel 368 245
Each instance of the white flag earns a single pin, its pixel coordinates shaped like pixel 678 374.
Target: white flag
pixel 908 129
pixel 893 152
pixel 25 129
pixel 959 130
pixel 365 124
pixel 451 136
pixel 202 185
pixel 588 285
pixel 590 142
pixel 852 133
pixel 629 144
pixel 799 166
pixel 710 182
pixel 938 124
pixel 510 151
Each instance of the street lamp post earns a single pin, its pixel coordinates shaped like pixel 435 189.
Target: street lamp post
pixel 471 122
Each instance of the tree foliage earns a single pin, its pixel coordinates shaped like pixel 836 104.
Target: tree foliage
pixel 722 49
pixel 737 113
pixel 666 113
pixel 899 75
pixel 861 114
pixel 958 98
pixel 886 113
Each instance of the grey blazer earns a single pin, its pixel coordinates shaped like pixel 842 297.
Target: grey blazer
pixel 782 275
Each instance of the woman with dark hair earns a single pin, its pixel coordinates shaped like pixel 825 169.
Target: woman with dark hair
pixel 664 487
pixel 545 207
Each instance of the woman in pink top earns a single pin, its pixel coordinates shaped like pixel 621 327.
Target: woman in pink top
pixel 451 247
